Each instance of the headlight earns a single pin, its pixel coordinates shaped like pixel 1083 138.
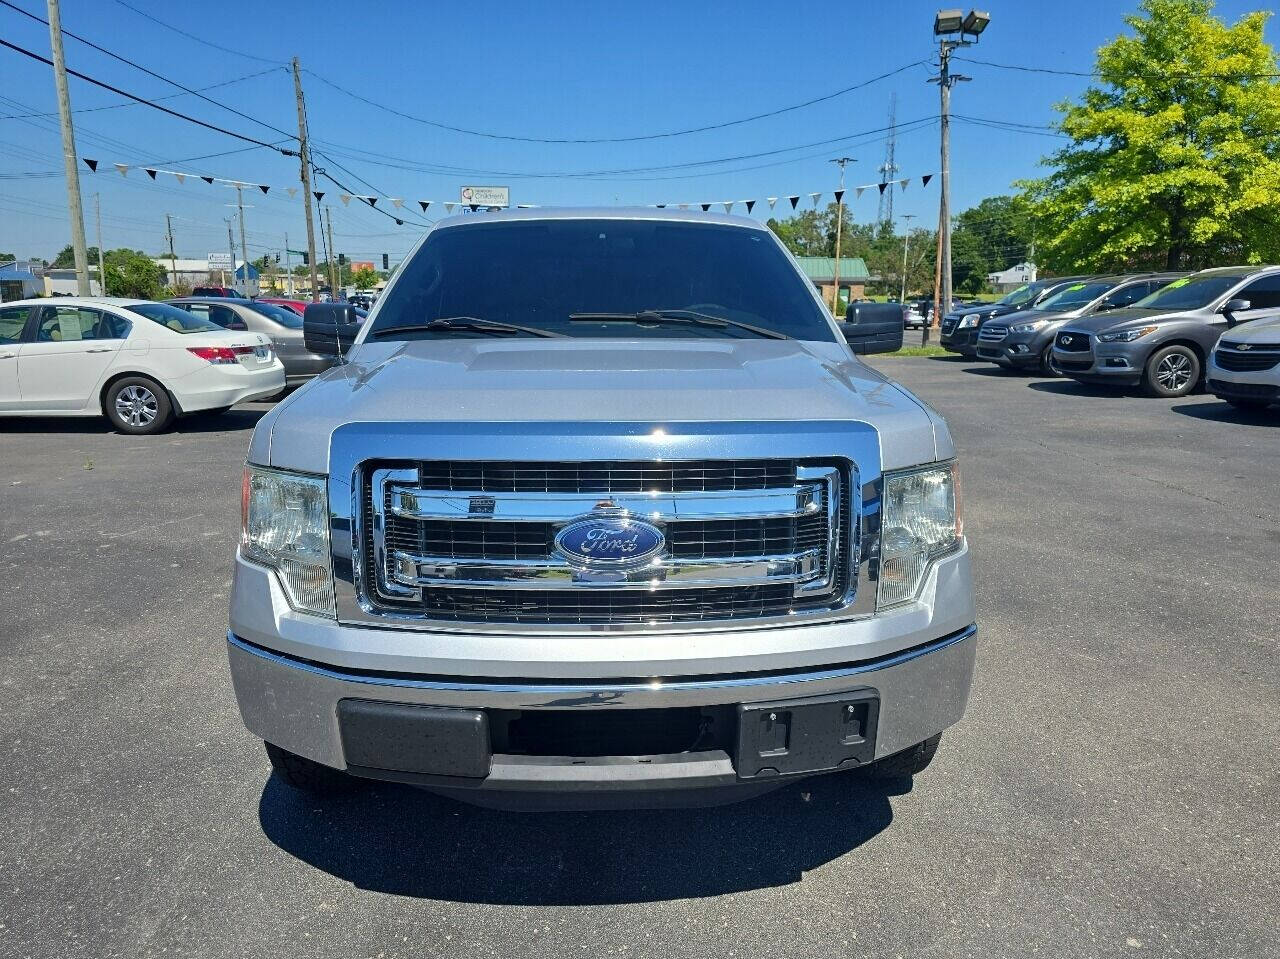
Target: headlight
pixel 1026 327
pixel 1126 336
pixel 921 520
pixel 966 322
pixel 285 525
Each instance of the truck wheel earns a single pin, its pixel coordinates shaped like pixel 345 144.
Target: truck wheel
pixel 1046 362
pixel 305 774
pixel 907 763
pixel 1172 371
pixel 138 406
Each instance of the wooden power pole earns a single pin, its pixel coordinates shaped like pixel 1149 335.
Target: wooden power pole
pixel 74 205
pixel 304 149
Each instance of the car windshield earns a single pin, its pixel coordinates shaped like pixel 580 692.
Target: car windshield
pixel 1074 295
pixel 278 313
pixel 180 321
pixel 558 275
pixel 1023 294
pixel 1189 293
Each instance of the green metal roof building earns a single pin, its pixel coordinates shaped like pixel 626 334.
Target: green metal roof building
pixel 822 271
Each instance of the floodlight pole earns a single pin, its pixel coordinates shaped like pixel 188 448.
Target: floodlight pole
pixel 835 297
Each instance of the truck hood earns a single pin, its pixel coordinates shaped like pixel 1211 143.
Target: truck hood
pixel 658 381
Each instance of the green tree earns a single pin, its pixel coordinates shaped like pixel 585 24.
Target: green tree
pixel 1175 160
pixel 804 234
pixel 66 260
pixel 133 273
pixel 365 278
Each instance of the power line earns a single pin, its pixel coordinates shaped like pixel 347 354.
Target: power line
pixel 151 103
pixel 148 72
pixel 1095 75
pixel 197 39
pixel 630 139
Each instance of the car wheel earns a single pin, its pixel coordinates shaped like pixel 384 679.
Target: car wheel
pixel 1247 404
pixel 1172 371
pixel 138 406
pixel 307 775
pixel 907 763
pixel 1046 362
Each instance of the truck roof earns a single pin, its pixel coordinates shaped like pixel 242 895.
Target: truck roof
pixel 600 213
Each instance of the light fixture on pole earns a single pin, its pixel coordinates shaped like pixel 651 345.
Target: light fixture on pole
pixel 955 29
pixel 906 239
pixel 835 297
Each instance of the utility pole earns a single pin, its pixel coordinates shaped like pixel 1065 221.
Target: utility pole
pixel 231 245
pixel 102 269
pixel 304 151
pixel 288 265
pixel 952 28
pixel 906 239
pixel 244 247
pixel 333 277
pixel 835 297
pixel 69 162
pixel 173 257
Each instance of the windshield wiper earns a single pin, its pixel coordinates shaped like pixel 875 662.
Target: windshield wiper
pixel 448 324
pixel 658 317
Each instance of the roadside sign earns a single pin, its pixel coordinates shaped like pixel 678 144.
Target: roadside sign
pixel 361 265
pixel 219 261
pixel 486 196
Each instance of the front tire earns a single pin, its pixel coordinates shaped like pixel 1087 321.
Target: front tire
pixel 1171 371
pixel 1046 362
pixel 909 762
pixel 138 406
pixel 306 775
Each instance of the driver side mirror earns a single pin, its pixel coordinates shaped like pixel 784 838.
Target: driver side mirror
pixel 329 328
pixel 1238 305
pixel 873 327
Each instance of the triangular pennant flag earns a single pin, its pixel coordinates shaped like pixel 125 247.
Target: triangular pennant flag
pixel 292 191
pixel 660 206
pixel 396 202
pixel 208 180
pixel 794 200
pixel 750 204
pixel 924 180
pixel 91 164
pixel 705 207
pixel 772 200
pixel 318 194
pixel 448 207
pixel 181 177
pixel 903 183
pixel 150 173
pixel 371 200
pixel 399 222
pixel 728 205
pixel 857 192
pixel 882 186
pixel 839 195
pixel 424 204
pixel 264 189
pixel 122 167
pixel 815 197
pixel 345 198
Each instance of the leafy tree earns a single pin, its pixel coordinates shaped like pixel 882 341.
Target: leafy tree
pixel 1175 160
pixel 66 260
pixel 365 278
pixel 133 273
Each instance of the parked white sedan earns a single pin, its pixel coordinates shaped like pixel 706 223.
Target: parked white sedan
pixel 136 362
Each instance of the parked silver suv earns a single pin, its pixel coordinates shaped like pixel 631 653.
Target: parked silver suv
pixel 600 509
pixel 1162 342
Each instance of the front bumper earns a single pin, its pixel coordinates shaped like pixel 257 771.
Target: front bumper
pixel 1118 363
pixel 1260 385
pixel 962 341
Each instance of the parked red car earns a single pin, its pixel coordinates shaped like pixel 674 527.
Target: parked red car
pixel 298 306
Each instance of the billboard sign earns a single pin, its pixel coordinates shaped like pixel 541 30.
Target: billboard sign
pixel 362 265
pixel 486 196
pixel 219 261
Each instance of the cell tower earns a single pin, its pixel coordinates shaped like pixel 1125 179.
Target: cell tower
pixel 889 167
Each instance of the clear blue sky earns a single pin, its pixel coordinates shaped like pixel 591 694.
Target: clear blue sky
pixel 551 69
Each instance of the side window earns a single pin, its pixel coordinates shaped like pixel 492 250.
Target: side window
pixel 1127 295
pixel 67 324
pixel 1263 294
pixel 225 317
pixel 12 322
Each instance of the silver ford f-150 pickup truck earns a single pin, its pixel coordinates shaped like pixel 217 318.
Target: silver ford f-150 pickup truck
pixel 600 508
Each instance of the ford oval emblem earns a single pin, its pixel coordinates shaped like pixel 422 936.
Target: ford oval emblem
pixel 609 542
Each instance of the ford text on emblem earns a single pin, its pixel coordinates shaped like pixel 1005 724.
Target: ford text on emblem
pixel 609 542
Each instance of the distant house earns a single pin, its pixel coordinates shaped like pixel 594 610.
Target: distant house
pixel 821 271
pixel 1012 278
pixel 197 273
pixel 18 282
pixel 64 283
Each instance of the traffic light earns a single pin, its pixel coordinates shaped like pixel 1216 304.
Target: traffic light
pixel 342 259
pixel 384 262
pixel 306 258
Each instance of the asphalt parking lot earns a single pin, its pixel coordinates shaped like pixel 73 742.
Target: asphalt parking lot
pixel 1112 791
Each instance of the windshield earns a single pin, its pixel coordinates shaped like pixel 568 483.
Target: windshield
pixel 1189 293
pixel 551 274
pixel 1074 295
pixel 1023 294
pixel 180 321
pixel 278 313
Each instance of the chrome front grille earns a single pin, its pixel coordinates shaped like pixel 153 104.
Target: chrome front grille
pixel 475 541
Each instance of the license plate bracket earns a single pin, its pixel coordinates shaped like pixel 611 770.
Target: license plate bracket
pixel 800 736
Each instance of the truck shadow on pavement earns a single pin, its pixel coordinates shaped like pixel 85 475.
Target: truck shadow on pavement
pixel 408 842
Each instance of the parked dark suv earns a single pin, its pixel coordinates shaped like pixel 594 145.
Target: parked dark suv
pixel 1162 342
pixel 960 326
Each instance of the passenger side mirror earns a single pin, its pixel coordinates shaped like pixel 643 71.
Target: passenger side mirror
pixel 329 328
pixel 873 327
pixel 1238 305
